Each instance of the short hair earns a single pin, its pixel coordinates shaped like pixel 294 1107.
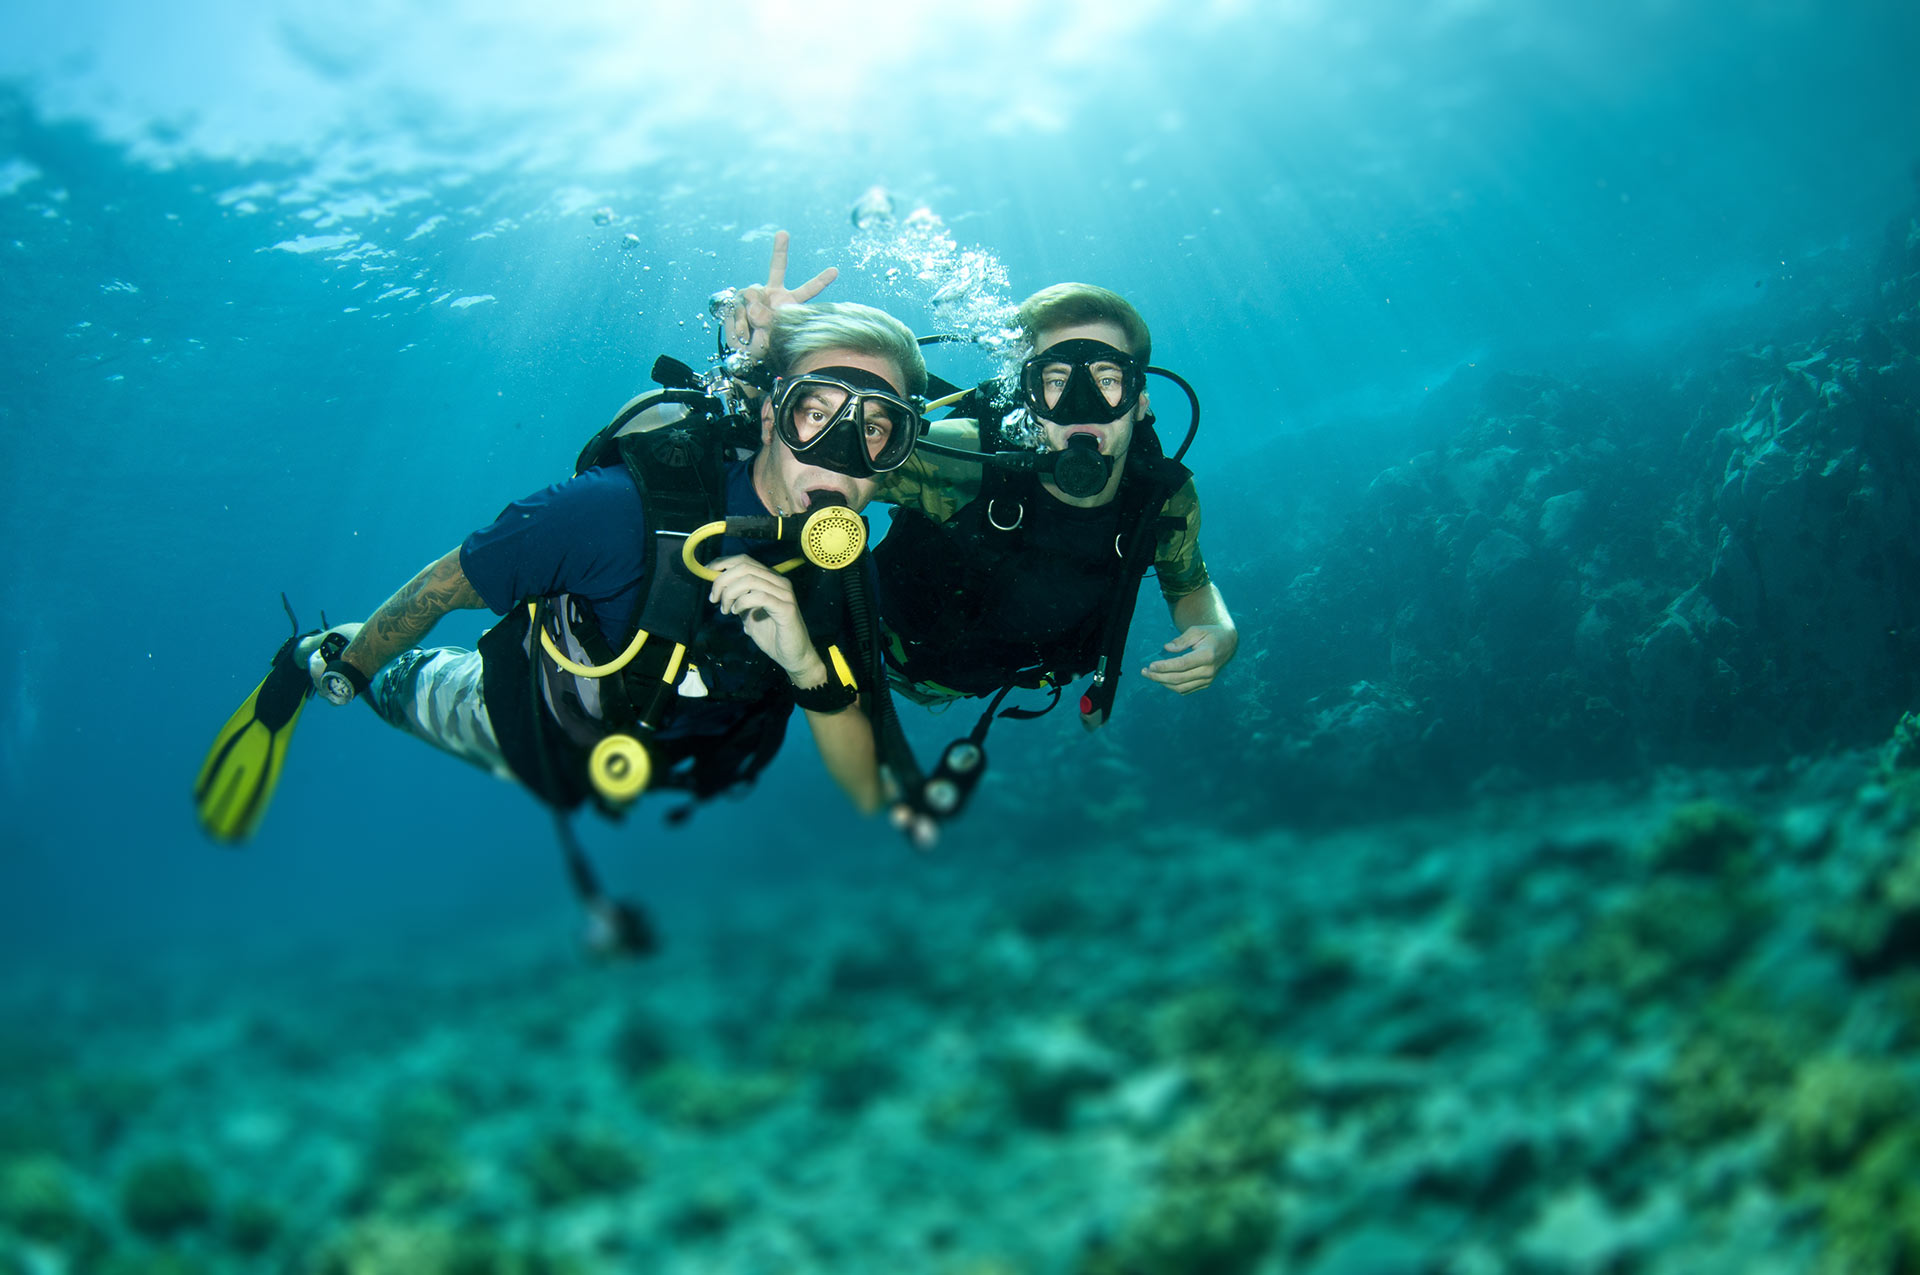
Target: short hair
pixel 800 330
pixel 1068 305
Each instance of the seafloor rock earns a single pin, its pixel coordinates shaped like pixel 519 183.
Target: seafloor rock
pixel 166 1195
pixel 1046 1069
pixel 1715 1090
pixel 1577 1232
pixel 1902 752
pixel 1704 838
pixel 1880 929
pixel 1375 1250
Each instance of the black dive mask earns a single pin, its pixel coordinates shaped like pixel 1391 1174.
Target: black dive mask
pixel 846 419
pixel 1077 376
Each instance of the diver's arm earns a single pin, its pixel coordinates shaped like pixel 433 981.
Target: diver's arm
pixel 963 435
pixel 1207 642
pixel 845 741
pixel 408 615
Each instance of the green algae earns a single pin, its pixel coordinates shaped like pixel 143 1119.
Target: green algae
pixel 1879 930
pixel 1732 1072
pixel 40 1199
pixel 413 1161
pixel 1215 1207
pixel 1672 936
pixel 1705 838
pixel 1870 1213
pixel 848 1071
pixel 390 1246
pixel 698 1097
pixel 1837 1106
pixel 1901 752
pixel 567 1166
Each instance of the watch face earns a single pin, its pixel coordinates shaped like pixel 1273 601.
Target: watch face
pixel 338 687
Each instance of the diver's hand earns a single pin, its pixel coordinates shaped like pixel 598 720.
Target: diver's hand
pixel 764 601
pixel 751 321
pixel 318 650
pixel 1203 650
pixel 921 830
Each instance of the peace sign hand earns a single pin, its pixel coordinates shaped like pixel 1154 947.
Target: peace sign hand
pixel 750 322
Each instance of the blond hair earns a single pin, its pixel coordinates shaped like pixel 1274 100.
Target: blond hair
pixel 1068 305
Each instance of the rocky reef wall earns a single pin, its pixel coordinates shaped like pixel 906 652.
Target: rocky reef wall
pixel 1592 577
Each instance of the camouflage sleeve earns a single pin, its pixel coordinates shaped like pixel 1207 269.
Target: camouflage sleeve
pixel 936 485
pixel 1177 557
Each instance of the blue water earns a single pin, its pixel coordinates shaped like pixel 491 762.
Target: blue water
pixel 294 297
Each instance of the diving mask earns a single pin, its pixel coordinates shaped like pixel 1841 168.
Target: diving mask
pixel 847 420
pixel 1081 382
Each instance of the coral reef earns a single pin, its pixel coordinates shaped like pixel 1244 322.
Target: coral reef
pixel 1571 578
pixel 166 1195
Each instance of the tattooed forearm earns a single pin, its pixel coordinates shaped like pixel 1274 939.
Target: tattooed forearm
pixel 410 614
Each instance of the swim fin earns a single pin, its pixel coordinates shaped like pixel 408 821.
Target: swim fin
pixel 237 779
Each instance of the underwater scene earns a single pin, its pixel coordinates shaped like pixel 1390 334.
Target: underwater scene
pixel 1472 826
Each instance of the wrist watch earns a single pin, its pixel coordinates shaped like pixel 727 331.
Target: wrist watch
pixel 342 681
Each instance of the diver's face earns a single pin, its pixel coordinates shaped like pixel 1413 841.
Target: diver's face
pixel 1115 435
pixel 782 479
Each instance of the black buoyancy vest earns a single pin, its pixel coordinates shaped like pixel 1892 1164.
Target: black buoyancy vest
pixel 1018 588
pixel 674 443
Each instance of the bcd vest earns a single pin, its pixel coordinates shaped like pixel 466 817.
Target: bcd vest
pixel 727 701
pixel 1018 588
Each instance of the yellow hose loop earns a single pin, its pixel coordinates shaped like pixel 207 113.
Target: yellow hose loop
pixel 948 401
pixel 620 768
pixel 672 674
pixel 692 542
pixel 559 657
pixel 705 572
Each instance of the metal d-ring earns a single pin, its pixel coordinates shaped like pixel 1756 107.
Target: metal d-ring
pixel 1017 520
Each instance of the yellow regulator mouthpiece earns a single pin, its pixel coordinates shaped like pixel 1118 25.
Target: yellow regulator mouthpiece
pixel 832 537
pixel 620 768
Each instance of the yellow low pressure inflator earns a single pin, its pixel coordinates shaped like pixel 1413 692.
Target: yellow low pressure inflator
pixel 620 768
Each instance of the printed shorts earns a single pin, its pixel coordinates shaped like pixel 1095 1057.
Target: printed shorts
pixel 434 693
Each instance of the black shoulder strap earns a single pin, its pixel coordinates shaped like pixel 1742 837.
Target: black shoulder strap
pixel 1143 493
pixel 680 472
pixel 982 405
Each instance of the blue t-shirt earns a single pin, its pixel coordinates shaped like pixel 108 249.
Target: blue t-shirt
pixel 583 537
